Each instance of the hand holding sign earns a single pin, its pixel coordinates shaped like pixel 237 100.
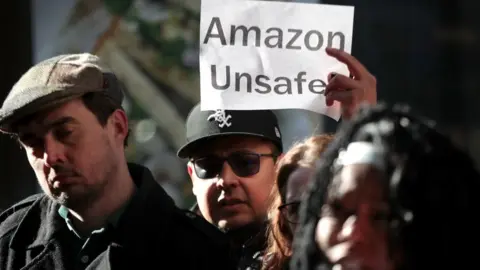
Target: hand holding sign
pixel 360 88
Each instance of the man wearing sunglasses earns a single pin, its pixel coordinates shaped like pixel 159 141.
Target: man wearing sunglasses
pixel 232 156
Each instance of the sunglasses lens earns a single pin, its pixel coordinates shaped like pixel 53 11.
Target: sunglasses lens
pixel 244 164
pixel 208 167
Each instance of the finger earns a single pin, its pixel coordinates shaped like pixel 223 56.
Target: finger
pixel 344 97
pixel 347 98
pixel 354 66
pixel 331 75
pixel 342 83
pixel 328 101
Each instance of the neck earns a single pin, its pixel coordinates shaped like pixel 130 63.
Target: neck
pixel 115 194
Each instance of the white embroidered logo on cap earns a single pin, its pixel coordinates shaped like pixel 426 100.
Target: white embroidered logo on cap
pixel 277 132
pixel 221 117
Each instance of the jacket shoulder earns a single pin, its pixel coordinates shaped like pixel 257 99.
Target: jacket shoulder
pixel 11 218
pixel 211 245
pixel 203 227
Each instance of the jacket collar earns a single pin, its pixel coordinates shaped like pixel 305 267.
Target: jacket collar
pixel 150 196
pixel 250 237
pixel 42 221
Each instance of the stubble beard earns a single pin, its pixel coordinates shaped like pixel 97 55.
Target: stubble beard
pixel 89 195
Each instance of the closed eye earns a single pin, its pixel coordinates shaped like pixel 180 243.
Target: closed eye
pixel 62 134
pixel 30 140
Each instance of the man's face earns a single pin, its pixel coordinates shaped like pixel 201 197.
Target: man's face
pixel 227 199
pixel 72 155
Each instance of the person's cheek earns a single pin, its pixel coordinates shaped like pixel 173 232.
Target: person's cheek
pixel 207 195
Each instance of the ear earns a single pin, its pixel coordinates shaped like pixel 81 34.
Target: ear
pixel 190 168
pixel 119 122
pixel 278 159
pixel 190 173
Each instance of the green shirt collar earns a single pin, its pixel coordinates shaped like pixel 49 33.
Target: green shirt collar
pixel 112 220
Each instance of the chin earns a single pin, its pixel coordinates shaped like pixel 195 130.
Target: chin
pixel 75 199
pixel 234 222
pixel 69 200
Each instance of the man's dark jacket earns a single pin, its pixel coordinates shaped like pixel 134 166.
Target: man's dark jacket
pixel 152 233
pixel 247 244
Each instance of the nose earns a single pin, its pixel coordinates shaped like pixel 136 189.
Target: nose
pixel 227 179
pixel 53 152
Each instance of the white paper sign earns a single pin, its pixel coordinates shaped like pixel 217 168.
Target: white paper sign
pixel 270 55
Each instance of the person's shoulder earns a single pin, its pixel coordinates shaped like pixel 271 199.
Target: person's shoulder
pixel 11 218
pixel 202 227
pixel 207 241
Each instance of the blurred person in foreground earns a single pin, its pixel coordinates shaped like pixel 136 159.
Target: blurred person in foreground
pixel 96 211
pixel 390 193
pixel 232 156
pixel 293 172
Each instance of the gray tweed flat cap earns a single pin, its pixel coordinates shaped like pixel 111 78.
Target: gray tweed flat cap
pixel 55 81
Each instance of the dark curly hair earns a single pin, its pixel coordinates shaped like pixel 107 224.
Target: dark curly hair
pixel 432 188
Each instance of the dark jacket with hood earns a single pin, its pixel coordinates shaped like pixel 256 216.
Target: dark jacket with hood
pixel 151 233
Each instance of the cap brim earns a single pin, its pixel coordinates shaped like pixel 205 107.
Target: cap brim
pixel 188 149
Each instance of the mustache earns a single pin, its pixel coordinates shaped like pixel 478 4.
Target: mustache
pixel 61 170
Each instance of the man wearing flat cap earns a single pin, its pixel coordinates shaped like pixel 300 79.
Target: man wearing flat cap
pixel 97 211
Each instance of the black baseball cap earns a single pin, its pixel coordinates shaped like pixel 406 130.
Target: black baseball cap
pixel 202 126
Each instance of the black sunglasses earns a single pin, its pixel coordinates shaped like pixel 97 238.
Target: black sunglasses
pixel 289 211
pixel 243 164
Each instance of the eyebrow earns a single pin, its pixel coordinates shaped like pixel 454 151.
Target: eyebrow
pixel 61 121
pixel 48 126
